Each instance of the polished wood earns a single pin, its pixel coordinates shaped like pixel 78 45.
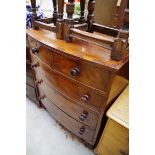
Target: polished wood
pixel 66 29
pixel 115 137
pixel 80 50
pixel 82 115
pixel 75 77
pixel 69 21
pixel 69 123
pixel 43 51
pixel 82 71
pixel 65 85
pixel 60 21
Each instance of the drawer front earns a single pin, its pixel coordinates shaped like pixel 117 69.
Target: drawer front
pixel 41 51
pixel 29 75
pixel 74 126
pixel 31 93
pixel 88 74
pixel 79 93
pixel 77 112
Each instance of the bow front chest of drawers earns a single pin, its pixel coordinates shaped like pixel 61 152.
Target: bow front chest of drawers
pixel 73 81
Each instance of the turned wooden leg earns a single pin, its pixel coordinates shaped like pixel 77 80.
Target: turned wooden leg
pixel 69 21
pixel 82 7
pixel 34 14
pixel 55 11
pixel 60 21
pixel 90 17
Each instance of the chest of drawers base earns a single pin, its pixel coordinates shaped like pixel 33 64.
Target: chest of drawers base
pixel 72 84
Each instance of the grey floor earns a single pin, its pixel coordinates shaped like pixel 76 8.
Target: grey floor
pixel 44 136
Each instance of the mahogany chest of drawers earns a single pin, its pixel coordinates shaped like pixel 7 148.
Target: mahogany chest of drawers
pixel 73 81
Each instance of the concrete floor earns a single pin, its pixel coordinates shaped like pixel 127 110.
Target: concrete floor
pixel 44 136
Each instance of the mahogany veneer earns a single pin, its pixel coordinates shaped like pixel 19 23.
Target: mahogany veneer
pixel 73 80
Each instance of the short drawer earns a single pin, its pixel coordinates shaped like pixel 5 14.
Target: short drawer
pixel 72 125
pixel 87 73
pixel 70 88
pixel 74 110
pixel 41 51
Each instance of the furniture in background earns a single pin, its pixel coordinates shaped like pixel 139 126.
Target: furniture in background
pixel 31 90
pixel 112 13
pixel 115 137
pixel 75 69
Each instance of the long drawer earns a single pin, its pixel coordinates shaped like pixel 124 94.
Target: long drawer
pixel 77 112
pixel 70 88
pixel 43 52
pixel 74 126
pixel 87 73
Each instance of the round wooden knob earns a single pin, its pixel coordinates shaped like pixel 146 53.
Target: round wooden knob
pixel 38 82
pixel 34 65
pixel 85 98
pixel 74 71
pixel 83 116
pixel 35 50
pixel 82 130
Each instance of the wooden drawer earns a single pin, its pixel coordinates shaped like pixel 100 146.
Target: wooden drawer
pixel 114 141
pixel 41 51
pixel 70 88
pixel 29 75
pixel 74 126
pixel 87 73
pixel 77 112
pixel 31 93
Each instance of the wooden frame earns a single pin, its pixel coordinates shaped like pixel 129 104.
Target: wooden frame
pixel 83 29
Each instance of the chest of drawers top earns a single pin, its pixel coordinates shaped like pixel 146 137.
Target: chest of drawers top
pixel 79 49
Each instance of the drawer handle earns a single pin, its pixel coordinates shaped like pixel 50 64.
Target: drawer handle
pixel 35 50
pixel 82 130
pixel 83 116
pixel 34 65
pixel 85 98
pixel 74 72
pixel 41 97
pixel 38 82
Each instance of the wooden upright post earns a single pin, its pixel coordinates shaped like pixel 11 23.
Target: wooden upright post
pixel 82 8
pixel 60 21
pixel 69 21
pixel 55 11
pixel 120 45
pixel 34 14
pixel 90 17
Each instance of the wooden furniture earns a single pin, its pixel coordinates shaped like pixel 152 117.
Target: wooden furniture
pixel 31 91
pixel 112 13
pixel 75 62
pixel 115 137
pixel 74 81
pixel 80 28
